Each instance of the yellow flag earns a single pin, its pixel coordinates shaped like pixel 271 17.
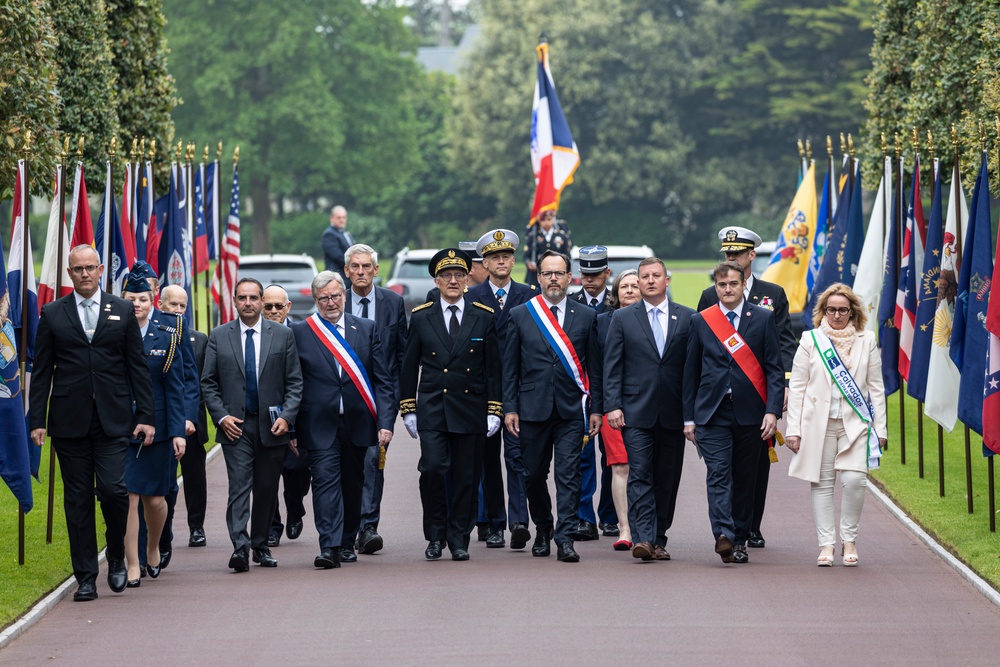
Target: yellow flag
pixel 790 261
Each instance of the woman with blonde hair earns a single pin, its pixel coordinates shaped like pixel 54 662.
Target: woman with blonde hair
pixel 836 416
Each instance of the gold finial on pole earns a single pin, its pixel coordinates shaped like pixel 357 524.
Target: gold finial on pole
pixel 883 145
pixel 829 146
pixel 135 149
pixel 114 148
pixel 236 156
pixel 79 148
pixel 802 149
pixel 899 145
pixel 218 152
pixel 930 143
pixel 142 148
pixel 982 135
pixel 916 140
pixel 152 149
pixel 954 137
pixel 204 155
pixel 809 150
pixel 843 143
pixel 65 150
pixel 850 145
pixel 179 152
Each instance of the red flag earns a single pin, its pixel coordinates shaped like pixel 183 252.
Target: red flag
pixel 82 230
pixel 991 392
pixel 126 221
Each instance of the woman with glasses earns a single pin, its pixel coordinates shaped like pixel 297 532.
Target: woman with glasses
pixel 836 416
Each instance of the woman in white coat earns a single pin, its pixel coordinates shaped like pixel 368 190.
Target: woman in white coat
pixel 836 415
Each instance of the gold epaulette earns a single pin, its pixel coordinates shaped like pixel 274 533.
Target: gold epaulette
pixel 171 354
pixel 486 308
pixel 422 306
pixel 494 408
pixel 407 405
pixel 533 287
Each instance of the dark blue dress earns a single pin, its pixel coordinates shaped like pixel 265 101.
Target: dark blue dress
pixel 149 469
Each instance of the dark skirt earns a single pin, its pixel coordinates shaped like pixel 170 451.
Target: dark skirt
pixel 149 470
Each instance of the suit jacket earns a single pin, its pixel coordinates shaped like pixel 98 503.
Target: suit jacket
pixel 640 382
pixel 584 298
pixel 108 372
pixel 459 382
pixel 199 341
pixel 279 378
pixel 535 381
pixel 335 244
pixel 772 297
pixel 390 318
pixel 710 369
pixel 161 347
pixel 324 386
pixel 519 293
pixel 810 393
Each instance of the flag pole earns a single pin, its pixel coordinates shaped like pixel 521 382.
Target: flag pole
pixel 958 271
pixel 920 404
pixel 897 221
pixel 23 342
pixel 192 225
pixel 989 462
pixel 112 151
pixel 208 260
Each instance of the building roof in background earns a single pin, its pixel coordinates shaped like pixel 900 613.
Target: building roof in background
pixel 449 58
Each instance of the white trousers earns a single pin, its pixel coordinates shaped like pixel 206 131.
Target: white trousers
pixel 853 495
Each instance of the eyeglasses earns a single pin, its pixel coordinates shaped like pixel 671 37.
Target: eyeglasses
pixel 448 277
pixel 273 306
pixel 837 311
pixel 80 270
pixel 553 274
pixel 336 296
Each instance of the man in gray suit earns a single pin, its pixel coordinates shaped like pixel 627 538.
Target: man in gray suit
pixel 252 385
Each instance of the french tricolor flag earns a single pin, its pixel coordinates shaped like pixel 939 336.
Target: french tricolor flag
pixel 554 155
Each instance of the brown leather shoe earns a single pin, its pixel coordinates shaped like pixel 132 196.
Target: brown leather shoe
pixel 724 547
pixel 660 553
pixel 643 550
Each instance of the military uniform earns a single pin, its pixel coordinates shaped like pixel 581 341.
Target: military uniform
pixel 537 242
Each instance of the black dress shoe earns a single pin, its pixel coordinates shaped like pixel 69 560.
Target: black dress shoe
pixel 197 538
pixel 482 532
pixel 566 553
pixel 519 536
pixel 740 554
pixel 86 592
pixel 542 546
pixel 154 571
pixel 165 555
pixel 610 530
pixel 274 539
pixel 433 550
pixel 328 559
pixel 294 529
pixel 459 554
pixel 369 541
pixel 239 561
pixel 586 531
pixel 347 555
pixel 724 547
pixel 133 583
pixel 756 540
pixel 264 558
pixel 117 574
pixel 495 540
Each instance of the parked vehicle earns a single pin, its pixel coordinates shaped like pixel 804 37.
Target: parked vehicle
pixel 410 278
pixel 292 272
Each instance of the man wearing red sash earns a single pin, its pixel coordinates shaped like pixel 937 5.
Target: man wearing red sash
pixel 734 388
pixel 552 360
pixel 347 407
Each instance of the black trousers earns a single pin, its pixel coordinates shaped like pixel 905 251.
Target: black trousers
pixel 760 488
pixel 449 513
pixel 492 512
pixel 195 483
pixel 557 441
pixel 295 478
pixel 81 460
pixel 655 462
pixel 606 511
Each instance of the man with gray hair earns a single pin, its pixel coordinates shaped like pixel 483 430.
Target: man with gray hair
pixel 385 308
pixel 336 241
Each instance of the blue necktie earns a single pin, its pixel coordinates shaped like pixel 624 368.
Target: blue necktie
pixel 250 366
pixel 732 318
pixel 501 293
pixel 657 330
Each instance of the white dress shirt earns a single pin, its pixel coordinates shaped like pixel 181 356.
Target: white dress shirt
pixel 357 306
pixel 561 316
pixel 748 287
pixel 256 342
pixel 737 310
pixel 664 308
pixel 447 313
pixel 95 313
pixel 505 288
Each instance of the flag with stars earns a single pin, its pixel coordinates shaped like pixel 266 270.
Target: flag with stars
pixel 910 262
pixel 968 335
pixel 926 295
pixel 888 334
pixel 941 402
pixel 226 269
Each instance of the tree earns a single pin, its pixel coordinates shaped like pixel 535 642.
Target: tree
pixel 314 93
pixel 28 94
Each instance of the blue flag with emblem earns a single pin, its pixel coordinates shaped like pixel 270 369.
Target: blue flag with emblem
pixel 888 334
pixel 925 296
pixel 174 262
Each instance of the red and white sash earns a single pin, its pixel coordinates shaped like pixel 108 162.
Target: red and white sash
pixel 345 355
pixel 737 348
pixel 557 339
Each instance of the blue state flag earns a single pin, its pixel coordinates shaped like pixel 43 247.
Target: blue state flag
pixel 969 339
pixel 888 334
pixel 174 259
pixel 926 294
pixel 113 255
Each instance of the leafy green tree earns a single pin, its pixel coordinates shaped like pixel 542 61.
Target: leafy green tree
pixel 314 93
pixel 28 95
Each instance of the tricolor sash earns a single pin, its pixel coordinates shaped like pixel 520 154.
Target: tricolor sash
pixel 561 345
pixel 345 355
pixel 849 389
pixel 737 348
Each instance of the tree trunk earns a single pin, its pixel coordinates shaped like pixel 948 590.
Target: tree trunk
pixel 261 228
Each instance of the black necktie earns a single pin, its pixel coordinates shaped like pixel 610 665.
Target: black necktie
pixel 250 366
pixel 555 313
pixel 364 307
pixel 453 324
pixel 593 302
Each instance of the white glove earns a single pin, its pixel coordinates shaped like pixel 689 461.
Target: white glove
pixel 410 422
pixel 492 425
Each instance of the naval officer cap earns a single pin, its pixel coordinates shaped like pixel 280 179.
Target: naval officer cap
pixel 593 259
pixel 738 239
pixel 497 240
pixel 470 249
pixel 449 258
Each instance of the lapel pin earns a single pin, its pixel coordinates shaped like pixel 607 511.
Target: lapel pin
pixel 673 317
pixel 748 313
pixel 353 327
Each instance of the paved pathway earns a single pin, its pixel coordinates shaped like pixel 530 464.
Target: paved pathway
pixel 903 605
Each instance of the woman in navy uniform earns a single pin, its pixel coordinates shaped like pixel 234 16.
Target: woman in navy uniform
pixel 149 469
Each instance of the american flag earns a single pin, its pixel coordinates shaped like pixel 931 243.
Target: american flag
pixel 910 263
pixel 991 390
pixel 228 265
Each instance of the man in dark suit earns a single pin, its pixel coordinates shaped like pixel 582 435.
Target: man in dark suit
pixel 88 369
pixel 452 349
pixel 173 300
pixel 252 386
pixel 594 274
pixel 738 244
pixel 385 308
pixel 644 357
pixel 348 407
pixel 548 234
pixel 544 399
pixel 733 393
pixel 501 293
pixel 336 240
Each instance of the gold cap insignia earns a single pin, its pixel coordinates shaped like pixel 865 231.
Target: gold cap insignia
pixel 451 253
pixel 498 235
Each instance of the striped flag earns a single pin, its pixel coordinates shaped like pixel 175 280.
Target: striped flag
pixel 52 273
pixel 909 264
pixel 554 155
pixel 991 386
pixel 228 266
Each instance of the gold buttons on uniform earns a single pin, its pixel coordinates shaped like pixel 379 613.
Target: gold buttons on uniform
pixel 466 391
pixel 446 370
pixel 433 354
pixel 446 391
